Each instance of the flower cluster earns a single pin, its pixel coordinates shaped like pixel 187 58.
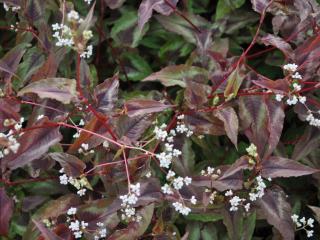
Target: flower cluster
pixel 170 152
pixel 77 227
pixel 13 8
pixel 302 223
pixel 128 201
pixel 84 149
pixel 66 35
pixel 10 139
pixel 257 192
pixel 212 172
pixel 294 96
pixel 181 208
pixel 80 184
pixel 252 150
pixel 101 232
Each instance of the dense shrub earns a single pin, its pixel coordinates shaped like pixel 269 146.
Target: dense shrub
pixel 159 119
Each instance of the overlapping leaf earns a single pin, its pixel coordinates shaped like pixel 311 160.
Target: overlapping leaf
pixel 6 211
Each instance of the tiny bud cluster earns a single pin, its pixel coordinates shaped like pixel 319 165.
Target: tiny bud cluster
pixel 303 224
pixel 128 201
pixel 80 184
pixel 252 150
pixel 84 149
pixel 10 139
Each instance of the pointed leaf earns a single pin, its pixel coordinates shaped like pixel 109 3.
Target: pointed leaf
pixel 72 165
pixel 259 5
pixel 147 6
pixel 234 82
pixel 60 89
pixel 33 144
pixel 46 233
pixel 282 167
pixel 278 212
pixel 142 107
pixel 279 43
pixel 231 122
pixel 6 211
pixel 106 94
pixel 175 75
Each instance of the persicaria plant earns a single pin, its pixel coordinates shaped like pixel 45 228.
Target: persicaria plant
pixel 159 119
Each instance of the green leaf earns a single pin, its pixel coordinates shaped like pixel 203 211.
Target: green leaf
pixel 204 217
pixel 233 83
pixel 175 75
pixel 225 7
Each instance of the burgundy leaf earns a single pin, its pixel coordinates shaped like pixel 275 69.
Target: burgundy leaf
pixel 106 94
pixel 31 202
pixel 160 6
pixel 195 94
pixel 9 63
pixel 142 107
pixel 278 212
pixel 33 144
pixel 47 233
pixel 88 21
pixel 132 128
pixel 262 119
pixel 279 43
pixel 275 115
pixel 259 5
pixel 6 211
pixel 34 10
pixel 280 86
pixel 60 89
pixel 308 142
pixel 72 165
pixel 85 78
pixel 231 123
pixel 282 167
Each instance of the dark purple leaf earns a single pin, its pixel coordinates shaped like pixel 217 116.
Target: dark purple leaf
pixel 34 10
pixel 33 144
pixel 279 43
pixel 262 119
pixel 308 142
pixel 31 202
pixel 46 233
pixel 282 167
pixel 72 165
pixel 114 4
pixel 142 107
pixel 160 6
pixel 230 178
pixel 195 94
pixel 60 89
pixel 278 212
pixel 280 86
pixel 9 63
pixel 231 122
pixel 106 94
pixel 133 128
pixel 85 78
pixel 6 211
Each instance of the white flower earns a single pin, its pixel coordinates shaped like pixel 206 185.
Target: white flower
pixel 187 180
pixel 160 133
pixel 296 87
pixel 72 211
pixel 291 67
pixel 193 200
pixel 302 99
pixel 148 174
pixel 279 97
pixel 165 159
pixel 178 183
pixel 75 225
pixel 292 100
pixel 63 179
pixel 73 15
pixel 247 207
pixel 310 222
pixel 179 207
pixel 135 189
pixel 170 174
pixel 105 144
pixel 103 233
pixel 6 7
pixel 176 153
pixel 82 192
pixel 88 52
pixel 309 233
pixel 166 189
pixel 180 117
pixel 100 224
pixel 87 1
pixel 234 202
pixel 77 234
pixel 228 193
pixel 40 116
pixel 296 76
